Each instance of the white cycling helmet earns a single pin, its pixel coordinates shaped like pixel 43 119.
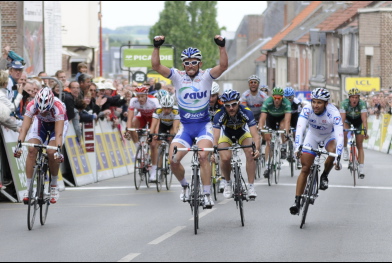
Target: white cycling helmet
pixel 167 101
pixel 44 99
pixel 215 88
pixel 321 94
pixel 254 77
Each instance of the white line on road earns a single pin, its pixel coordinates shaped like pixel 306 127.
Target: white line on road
pixel 224 201
pixel 167 235
pixel 129 257
pixel 204 213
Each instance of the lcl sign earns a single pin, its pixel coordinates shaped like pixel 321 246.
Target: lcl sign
pixel 363 84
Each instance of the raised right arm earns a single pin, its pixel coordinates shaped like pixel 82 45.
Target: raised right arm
pixel 155 59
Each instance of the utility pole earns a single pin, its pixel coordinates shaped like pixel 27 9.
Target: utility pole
pixel 100 39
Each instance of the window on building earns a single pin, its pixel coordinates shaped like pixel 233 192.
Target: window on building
pixel 350 50
pixel 319 61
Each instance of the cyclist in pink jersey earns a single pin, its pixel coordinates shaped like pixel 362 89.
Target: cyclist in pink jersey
pixel 46 114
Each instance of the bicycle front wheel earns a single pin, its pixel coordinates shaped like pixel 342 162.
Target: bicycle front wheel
pixel 33 205
pixel 292 158
pixel 239 194
pixel 196 200
pixel 169 173
pixel 258 167
pixel 213 180
pixel 45 194
pixel 308 193
pixel 138 168
pixel 354 164
pixel 271 164
pixel 278 164
pixel 147 165
pixel 161 169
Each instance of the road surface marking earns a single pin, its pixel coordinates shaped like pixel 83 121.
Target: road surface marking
pixel 129 257
pixel 225 201
pixel 167 235
pixel 204 213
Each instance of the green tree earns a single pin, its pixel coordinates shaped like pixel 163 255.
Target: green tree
pixel 192 25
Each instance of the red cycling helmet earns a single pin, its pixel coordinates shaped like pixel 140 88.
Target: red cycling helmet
pixel 141 90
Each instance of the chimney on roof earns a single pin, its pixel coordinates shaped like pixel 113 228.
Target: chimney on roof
pixel 241 45
pixel 285 14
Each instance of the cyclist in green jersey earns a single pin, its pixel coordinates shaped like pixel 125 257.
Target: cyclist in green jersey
pixel 354 111
pixel 276 109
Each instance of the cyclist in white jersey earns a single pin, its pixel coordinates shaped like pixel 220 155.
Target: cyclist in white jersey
pixel 325 129
pixel 44 115
pixel 193 91
pixel 254 98
pixel 145 105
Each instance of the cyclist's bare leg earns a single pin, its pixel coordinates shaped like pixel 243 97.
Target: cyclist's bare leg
pixel 307 160
pixel 225 158
pixel 205 165
pixel 31 157
pixel 250 162
pixel 136 125
pixel 176 166
pixel 154 151
pixel 53 164
pixel 361 152
pixel 328 165
pixel 283 127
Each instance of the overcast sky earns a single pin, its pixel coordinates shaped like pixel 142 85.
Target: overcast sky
pixel 146 13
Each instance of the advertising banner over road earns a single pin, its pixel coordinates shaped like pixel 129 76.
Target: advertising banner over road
pixel 142 57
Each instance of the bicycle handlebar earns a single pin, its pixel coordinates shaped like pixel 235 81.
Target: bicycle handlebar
pixel 162 134
pixel 271 131
pixel 40 146
pixel 318 151
pixel 137 129
pixel 232 148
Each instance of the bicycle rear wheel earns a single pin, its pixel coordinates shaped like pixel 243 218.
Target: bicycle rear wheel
pixel 45 191
pixel 271 164
pixel 214 181
pixel 161 169
pixel 33 205
pixel 258 167
pixel 196 200
pixel 308 194
pixel 138 168
pixel 354 164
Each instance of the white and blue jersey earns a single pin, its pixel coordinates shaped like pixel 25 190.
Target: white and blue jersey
pixel 193 96
pixel 323 128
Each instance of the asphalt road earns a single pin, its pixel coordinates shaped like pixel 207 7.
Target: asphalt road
pixel 111 221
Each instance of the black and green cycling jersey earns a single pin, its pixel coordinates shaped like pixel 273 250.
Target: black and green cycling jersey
pixel 353 112
pixel 269 107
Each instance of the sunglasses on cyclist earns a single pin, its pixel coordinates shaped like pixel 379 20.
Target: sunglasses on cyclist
pixel 234 104
pixel 277 97
pixel 193 63
pixel 253 82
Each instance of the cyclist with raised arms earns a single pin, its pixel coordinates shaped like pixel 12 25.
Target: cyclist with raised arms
pixel 234 120
pixel 276 109
pixel 254 98
pixel 193 90
pixel 45 114
pixel 354 111
pixel 145 105
pixel 325 129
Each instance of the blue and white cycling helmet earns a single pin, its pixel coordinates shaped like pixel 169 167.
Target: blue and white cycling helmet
pixel 230 95
pixel 321 94
pixel 191 52
pixel 289 91
pixel 160 94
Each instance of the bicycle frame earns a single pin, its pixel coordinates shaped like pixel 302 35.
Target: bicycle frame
pixel 274 163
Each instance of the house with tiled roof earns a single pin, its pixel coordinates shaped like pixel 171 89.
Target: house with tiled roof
pixel 334 44
pixel 275 50
pixel 253 33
